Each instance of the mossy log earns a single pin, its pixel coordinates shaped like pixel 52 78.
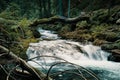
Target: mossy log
pixel 62 19
pixel 7 57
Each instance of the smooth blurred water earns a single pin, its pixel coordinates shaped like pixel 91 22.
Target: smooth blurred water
pixel 86 55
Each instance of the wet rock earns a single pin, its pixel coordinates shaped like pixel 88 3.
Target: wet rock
pixel 115 58
pixel 36 34
pixel 113 48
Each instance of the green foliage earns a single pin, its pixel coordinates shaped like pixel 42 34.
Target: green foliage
pixel 115 45
pixel 103 32
pixel 82 25
pixel 16 35
pixel 65 29
pixel 99 42
pixel 24 23
pixel 100 15
pixel 99 28
pixel 11 12
pixel 114 14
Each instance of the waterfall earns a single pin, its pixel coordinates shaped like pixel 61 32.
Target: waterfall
pixel 68 50
pixel 55 50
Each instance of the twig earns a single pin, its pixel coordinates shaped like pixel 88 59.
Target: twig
pixel 7 78
pixel 86 70
pixel 6 72
pixel 39 65
pixel 65 63
pixel 2 54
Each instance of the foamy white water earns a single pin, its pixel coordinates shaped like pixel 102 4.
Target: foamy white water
pixel 46 34
pixel 88 56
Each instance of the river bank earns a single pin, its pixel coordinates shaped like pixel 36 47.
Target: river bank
pixel 101 29
pixel 52 53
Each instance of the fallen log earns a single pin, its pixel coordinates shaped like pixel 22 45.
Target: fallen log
pixel 62 19
pixel 7 57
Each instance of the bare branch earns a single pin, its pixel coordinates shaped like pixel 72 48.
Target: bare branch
pixel 11 72
pixel 86 70
pixel 14 59
pixel 6 72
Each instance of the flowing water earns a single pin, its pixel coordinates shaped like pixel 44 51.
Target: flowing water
pixel 67 55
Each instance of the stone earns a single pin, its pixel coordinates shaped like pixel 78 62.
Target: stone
pixel 115 58
pixel 118 21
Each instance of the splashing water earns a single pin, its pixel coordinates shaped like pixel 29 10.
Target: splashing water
pixel 46 34
pixel 88 56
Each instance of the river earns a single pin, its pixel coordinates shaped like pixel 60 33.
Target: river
pixel 70 60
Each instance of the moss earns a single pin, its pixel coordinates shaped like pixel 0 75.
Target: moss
pixel 84 37
pixel 114 12
pixel 108 36
pixel 17 35
pixel 111 46
pixel 82 25
pixel 104 32
pixel 99 28
pixel 43 20
pixel 66 28
pixel 55 17
pixel 20 49
pixel 99 42
pixel 100 15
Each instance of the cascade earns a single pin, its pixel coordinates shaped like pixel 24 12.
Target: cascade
pixel 46 53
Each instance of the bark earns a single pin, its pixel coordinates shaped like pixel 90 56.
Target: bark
pixel 62 19
pixel 7 57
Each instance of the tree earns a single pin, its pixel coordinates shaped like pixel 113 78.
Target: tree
pixel 60 4
pixel 69 8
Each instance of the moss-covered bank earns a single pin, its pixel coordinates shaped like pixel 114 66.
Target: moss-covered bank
pixel 16 35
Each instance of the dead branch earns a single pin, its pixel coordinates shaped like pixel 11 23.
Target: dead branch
pixel 67 62
pixel 12 58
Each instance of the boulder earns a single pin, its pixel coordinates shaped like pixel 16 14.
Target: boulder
pixel 36 33
pixel 115 58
